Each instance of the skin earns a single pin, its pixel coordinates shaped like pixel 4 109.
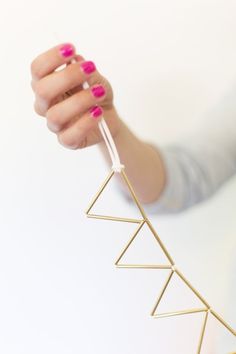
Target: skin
pixel 69 118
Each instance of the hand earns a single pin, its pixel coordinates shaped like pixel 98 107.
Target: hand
pixel 72 112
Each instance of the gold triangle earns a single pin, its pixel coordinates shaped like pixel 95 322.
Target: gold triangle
pixel 146 266
pixel 154 312
pixel 115 218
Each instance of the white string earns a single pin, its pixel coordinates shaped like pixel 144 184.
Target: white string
pixel 109 141
pixel 116 164
pixel 106 141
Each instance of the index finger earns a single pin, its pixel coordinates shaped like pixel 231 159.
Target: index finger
pixel 50 60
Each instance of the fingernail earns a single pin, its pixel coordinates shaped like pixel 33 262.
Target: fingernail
pixel 96 111
pixel 98 91
pixel 88 67
pixel 66 50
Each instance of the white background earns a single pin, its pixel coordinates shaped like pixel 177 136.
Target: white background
pixel 168 62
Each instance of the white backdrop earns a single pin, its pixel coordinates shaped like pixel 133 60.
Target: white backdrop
pixel 168 62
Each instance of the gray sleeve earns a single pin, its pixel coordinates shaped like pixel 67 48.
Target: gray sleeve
pixel 198 165
pixel 192 175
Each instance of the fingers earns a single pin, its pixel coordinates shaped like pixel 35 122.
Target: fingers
pixel 73 118
pixel 84 132
pixel 61 114
pixel 51 86
pixel 50 60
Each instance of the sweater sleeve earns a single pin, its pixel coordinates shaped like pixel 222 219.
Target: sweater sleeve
pixel 199 164
pixel 193 174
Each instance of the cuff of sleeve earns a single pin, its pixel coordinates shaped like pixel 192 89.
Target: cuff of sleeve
pixel 171 199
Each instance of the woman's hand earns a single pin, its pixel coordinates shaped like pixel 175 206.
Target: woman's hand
pixel 72 112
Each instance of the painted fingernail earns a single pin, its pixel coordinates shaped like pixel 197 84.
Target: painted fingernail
pixel 66 50
pixel 98 91
pixel 96 111
pixel 88 67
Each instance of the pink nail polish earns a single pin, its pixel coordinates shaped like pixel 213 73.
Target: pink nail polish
pixel 98 91
pixel 96 111
pixel 88 67
pixel 67 50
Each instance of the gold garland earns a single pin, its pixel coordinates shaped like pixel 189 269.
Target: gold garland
pixel 205 309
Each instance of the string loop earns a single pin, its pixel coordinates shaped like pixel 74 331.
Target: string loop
pixel 109 141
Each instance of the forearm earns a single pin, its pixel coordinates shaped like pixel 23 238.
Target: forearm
pixel 143 164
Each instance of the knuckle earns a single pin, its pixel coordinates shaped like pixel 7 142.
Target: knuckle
pixel 63 77
pixel 78 101
pixel 53 127
pixel 38 109
pixel 35 69
pixel 53 121
pixel 67 141
pixel 40 91
pixel 70 76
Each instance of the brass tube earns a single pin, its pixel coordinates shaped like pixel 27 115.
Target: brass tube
pixel 162 292
pixel 100 191
pixel 113 218
pixel 179 313
pixel 223 322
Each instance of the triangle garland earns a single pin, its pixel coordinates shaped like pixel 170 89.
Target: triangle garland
pixel 206 309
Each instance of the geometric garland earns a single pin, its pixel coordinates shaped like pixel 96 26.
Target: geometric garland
pixel 205 309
